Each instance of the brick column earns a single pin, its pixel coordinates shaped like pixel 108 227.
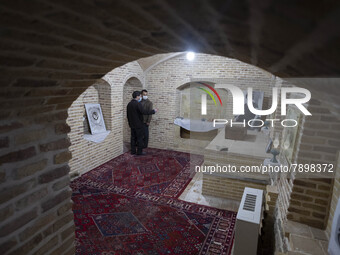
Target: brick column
pixel 320 141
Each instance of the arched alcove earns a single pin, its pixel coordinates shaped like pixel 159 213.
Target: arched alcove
pixel 88 153
pixel 190 108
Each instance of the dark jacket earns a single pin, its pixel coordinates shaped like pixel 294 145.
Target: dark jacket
pixel 135 114
pixel 147 106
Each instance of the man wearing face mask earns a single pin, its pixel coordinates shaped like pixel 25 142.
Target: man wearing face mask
pixel 135 114
pixel 147 105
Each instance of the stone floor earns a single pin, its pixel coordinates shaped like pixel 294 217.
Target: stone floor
pixel 306 240
pixel 193 193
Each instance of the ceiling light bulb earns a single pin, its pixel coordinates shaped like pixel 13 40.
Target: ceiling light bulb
pixel 190 56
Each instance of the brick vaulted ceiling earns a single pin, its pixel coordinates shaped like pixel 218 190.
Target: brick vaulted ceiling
pixel 52 50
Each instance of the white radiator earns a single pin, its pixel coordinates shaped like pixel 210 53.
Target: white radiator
pixel 248 222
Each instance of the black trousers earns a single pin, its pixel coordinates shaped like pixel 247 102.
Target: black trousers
pixel 146 135
pixel 137 140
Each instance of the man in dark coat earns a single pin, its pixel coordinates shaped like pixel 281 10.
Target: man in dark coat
pixel 135 114
pixel 148 106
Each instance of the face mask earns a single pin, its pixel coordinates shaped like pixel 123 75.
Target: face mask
pixel 140 99
pixel 145 97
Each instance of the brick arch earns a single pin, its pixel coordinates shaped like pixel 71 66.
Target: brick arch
pixel 134 76
pixel 52 51
pixel 182 83
pixel 82 149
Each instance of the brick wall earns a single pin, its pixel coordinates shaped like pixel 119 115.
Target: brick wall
pixel 284 188
pixel 230 188
pixel 311 197
pixel 231 185
pixel 308 200
pixel 35 201
pixel 86 154
pixel 164 85
pixel 113 92
pixel 35 209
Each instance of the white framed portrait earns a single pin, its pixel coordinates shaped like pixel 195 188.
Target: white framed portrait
pixel 95 118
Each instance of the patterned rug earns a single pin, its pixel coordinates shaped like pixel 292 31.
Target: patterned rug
pixel 118 219
pixel 159 172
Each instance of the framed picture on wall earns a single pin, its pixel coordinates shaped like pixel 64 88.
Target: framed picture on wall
pixel 95 118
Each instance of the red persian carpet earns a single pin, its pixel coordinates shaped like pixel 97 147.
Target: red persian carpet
pixel 130 205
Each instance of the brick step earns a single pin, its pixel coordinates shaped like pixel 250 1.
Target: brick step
pixel 305 239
